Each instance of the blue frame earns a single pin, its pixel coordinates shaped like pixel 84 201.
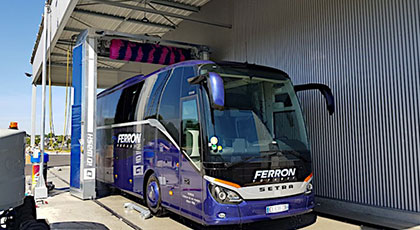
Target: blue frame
pixel 76 117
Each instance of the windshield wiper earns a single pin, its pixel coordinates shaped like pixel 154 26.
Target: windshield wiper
pixel 248 159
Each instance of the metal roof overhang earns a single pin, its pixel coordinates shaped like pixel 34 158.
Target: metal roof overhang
pixel 152 18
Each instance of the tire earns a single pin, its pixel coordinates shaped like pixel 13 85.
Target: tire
pixel 153 197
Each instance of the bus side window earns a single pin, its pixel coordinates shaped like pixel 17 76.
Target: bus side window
pixel 127 103
pixel 168 113
pixel 99 113
pixel 107 108
pixel 158 81
pixel 190 143
pixel 132 98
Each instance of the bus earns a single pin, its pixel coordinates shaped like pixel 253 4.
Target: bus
pixel 218 143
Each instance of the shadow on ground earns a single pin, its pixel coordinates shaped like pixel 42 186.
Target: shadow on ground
pixel 78 225
pixel 363 226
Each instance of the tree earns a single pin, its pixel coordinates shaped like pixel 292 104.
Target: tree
pixel 55 145
pixel 60 139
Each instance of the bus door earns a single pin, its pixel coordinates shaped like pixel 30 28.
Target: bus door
pixel 190 158
pixel 167 163
pixel 123 154
pixel 167 158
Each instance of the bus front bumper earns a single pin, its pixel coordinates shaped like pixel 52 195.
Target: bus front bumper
pixel 249 211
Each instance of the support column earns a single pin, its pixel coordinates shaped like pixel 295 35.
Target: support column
pixel 83 150
pixel 33 116
pixel 41 190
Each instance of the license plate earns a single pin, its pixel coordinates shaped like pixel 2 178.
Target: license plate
pixel 277 208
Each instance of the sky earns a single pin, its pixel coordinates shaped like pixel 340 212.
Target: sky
pixel 19 23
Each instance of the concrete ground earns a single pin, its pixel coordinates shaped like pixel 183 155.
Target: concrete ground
pixel 63 207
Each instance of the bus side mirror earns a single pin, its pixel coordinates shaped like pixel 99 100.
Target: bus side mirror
pixel 325 90
pixel 215 86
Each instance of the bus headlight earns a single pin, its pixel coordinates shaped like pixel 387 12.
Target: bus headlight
pixel 309 188
pixel 224 195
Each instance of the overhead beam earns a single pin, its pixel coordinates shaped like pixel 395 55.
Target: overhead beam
pixel 115 17
pixel 81 22
pixel 65 42
pixel 153 11
pixel 165 17
pixel 99 68
pixel 176 5
pixel 95 3
pixel 145 38
pixel 77 30
pixel 137 37
pixel 72 29
pixel 100 58
pixel 167 3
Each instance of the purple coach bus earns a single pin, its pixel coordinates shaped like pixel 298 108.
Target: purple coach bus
pixel 218 143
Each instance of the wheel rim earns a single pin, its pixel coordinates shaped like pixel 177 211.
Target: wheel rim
pixel 153 194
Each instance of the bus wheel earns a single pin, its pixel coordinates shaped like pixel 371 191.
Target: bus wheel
pixel 154 197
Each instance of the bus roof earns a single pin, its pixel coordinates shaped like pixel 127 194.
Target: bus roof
pixel 254 70
pixel 250 69
pixel 141 77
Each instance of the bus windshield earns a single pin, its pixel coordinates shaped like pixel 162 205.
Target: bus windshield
pixel 261 118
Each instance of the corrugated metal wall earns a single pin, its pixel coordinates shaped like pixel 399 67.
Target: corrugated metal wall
pixel 368 52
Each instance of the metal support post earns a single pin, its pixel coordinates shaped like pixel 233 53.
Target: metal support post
pixel 33 116
pixel 41 190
